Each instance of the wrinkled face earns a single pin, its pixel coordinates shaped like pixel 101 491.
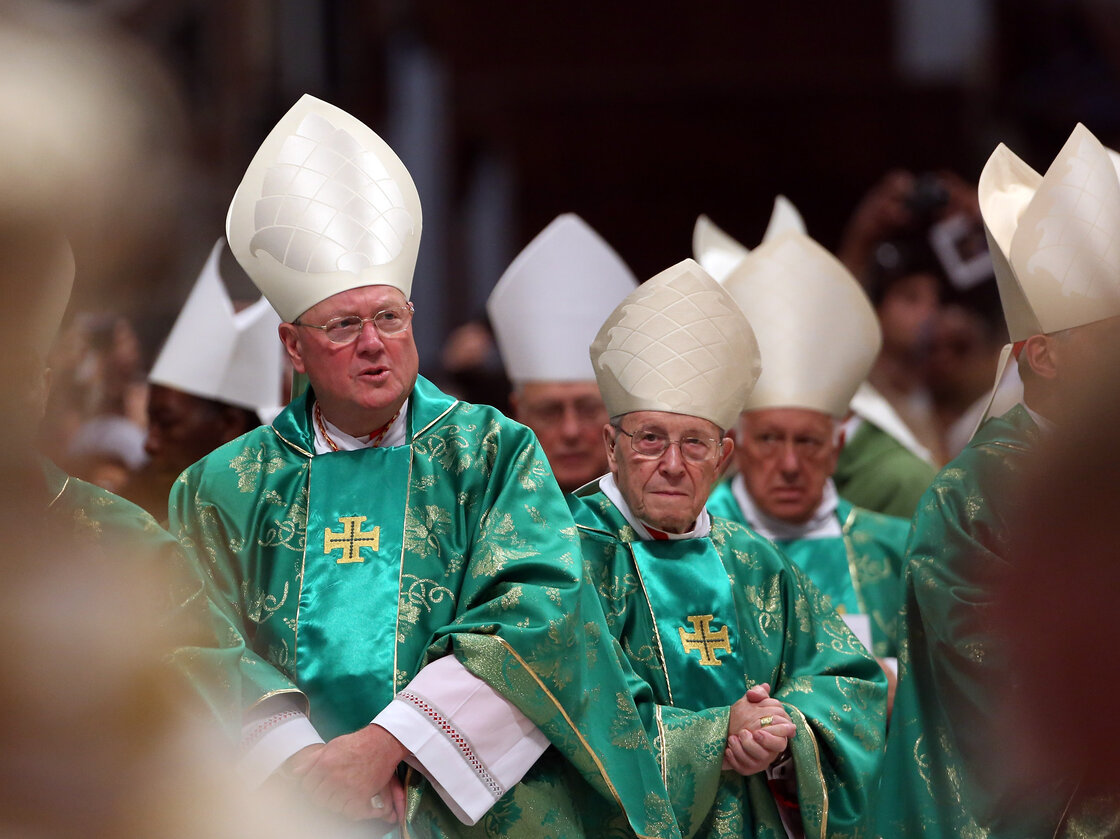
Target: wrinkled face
pixel 360 385
pixel 183 428
pixel 568 419
pixel 785 456
pixel 668 491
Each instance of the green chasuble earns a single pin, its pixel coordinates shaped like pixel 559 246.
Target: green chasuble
pixel 860 571
pixel 876 472
pixel 132 547
pixel 676 608
pixel 940 776
pixel 347 572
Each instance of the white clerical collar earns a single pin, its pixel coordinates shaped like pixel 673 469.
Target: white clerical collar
pixel 823 525
pixel 701 528
pixel 397 435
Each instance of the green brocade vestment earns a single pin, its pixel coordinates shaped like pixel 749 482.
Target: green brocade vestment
pixel 348 572
pixel 876 472
pixel 779 631
pixel 860 572
pixel 940 778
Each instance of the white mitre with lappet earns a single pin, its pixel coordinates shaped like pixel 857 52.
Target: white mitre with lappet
pixel 1054 238
pixel 218 353
pixel 324 207
pixel 551 301
pixel 678 343
pixel 815 326
pixel 718 253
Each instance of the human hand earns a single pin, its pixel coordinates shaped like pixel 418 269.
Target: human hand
pixel 753 707
pixel 354 774
pixel 759 730
pixel 880 214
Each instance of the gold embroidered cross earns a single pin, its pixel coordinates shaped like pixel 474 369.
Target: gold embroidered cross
pixel 351 540
pixel 703 640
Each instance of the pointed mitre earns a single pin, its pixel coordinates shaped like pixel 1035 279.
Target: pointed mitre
pixel 217 353
pixel 815 326
pixel 550 302
pixel 718 253
pixel 677 343
pixel 1054 239
pixel 325 206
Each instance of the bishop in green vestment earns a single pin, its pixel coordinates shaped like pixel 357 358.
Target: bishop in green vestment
pixel 402 567
pixel 946 772
pixel 767 712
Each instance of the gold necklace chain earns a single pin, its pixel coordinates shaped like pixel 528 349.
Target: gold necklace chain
pixel 374 440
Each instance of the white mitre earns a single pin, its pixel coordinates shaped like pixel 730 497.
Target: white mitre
pixel 325 206
pixel 217 353
pixel 718 253
pixel 677 343
pixel 1054 239
pixel 815 326
pixel 550 302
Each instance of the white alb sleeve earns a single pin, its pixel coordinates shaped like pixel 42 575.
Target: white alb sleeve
pixel 272 732
pixel 468 740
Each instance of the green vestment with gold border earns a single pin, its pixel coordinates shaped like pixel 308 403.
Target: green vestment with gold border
pixel 348 572
pixel 940 777
pixel 779 630
pixel 860 571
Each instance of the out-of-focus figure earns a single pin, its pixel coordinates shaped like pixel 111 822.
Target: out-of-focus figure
pixel 218 375
pixel 1055 243
pixel 545 311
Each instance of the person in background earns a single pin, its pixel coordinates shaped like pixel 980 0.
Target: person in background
pixel 1054 243
pixel 218 375
pixel 767 712
pixel 818 336
pixel 545 311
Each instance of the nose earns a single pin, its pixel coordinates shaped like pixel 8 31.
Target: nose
pixel 788 461
pixel 570 424
pixel 672 461
pixel 369 339
pixel 152 442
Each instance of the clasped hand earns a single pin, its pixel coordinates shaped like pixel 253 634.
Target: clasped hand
pixel 751 746
pixel 354 775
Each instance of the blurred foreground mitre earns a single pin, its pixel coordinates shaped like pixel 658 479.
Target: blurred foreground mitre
pixel 678 343
pixel 325 206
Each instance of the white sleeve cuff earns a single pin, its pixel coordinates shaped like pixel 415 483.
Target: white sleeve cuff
pixel 272 732
pixel 466 738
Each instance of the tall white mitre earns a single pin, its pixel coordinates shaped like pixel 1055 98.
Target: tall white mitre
pixel 551 301
pixel 1054 239
pixel 217 353
pixel 718 253
pixel 677 343
pixel 325 206
pixel 815 326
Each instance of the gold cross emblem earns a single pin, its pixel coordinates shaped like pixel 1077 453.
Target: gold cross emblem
pixel 703 640
pixel 351 540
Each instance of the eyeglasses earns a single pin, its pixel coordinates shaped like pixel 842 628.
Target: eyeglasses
pixel 651 444
pixel 553 412
pixel 344 329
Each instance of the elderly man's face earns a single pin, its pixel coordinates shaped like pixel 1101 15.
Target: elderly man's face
pixel 360 385
pixel 786 455
pixel 670 490
pixel 568 419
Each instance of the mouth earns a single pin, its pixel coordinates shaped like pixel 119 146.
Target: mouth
pixel 374 374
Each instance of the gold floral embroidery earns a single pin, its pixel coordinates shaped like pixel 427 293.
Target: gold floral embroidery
pixel 251 464
pixel 417 594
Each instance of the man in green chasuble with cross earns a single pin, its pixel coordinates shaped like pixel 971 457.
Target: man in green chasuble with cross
pixel 767 714
pixel 419 646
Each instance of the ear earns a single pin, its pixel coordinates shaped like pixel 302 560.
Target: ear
pixel 289 337
pixel 610 436
pixel 727 447
pixel 1039 351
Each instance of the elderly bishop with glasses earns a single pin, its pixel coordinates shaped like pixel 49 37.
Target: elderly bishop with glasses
pixel 417 644
pixel 767 713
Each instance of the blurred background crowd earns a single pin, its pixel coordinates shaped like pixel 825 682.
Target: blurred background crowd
pixel 874 121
